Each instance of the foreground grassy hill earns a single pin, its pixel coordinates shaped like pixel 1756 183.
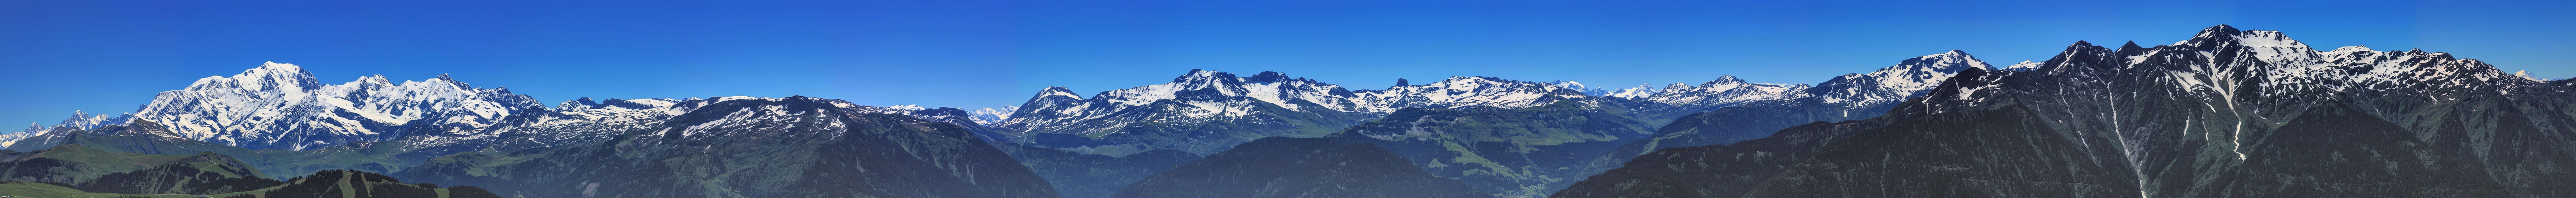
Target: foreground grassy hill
pixel 36 190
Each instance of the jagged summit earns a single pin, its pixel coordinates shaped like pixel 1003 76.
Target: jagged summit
pixel 2227 113
pixel 2212 36
pixel 1894 83
pixel 2234 90
pixel 1272 76
pixel 281 106
pixel 83 120
pixel 1204 76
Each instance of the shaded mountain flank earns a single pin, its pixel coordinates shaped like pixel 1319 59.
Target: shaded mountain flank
pixel 2228 113
pixel 1510 152
pixel 1713 170
pixel 1082 175
pixel 1299 167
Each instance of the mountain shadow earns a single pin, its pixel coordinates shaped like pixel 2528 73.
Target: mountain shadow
pixel 1082 175
pixel 2003 152
pixel 2333 150
pixel 1299 167
pixel 1510 152
pixel 1713 170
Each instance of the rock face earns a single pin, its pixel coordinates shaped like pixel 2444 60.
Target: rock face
pixel 754 147
pixel 1299 167
pixel 2228 113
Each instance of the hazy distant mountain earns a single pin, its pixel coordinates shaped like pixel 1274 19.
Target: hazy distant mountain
pixel 756 147
pixel 1207 111
pixel 1773 107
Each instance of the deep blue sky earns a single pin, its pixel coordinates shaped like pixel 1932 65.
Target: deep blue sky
pixel 109 56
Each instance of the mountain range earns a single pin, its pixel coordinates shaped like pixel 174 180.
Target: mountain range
pixel 2225 113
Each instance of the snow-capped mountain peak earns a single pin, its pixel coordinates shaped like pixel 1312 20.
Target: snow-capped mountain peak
pixel 2023 66
pixel 1926 71
pixel 1586 89
pixel 1570 85
pixel 1463 91
pixel 1058 92
pixel 80 120
pixel 280 106
pixel 585 103
pixel 1206 85
pixel 268 76
pixel 1641 91
pixel 993 116
pixel 2211 36
pixel 1894 83
pixel 2349 49
pixel 1677 86
pixel 1723 91
pixel 85 121
pixel 2224 64
pixel 909 107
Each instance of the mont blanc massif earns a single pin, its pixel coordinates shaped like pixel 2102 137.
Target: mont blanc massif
pixel 2225 113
